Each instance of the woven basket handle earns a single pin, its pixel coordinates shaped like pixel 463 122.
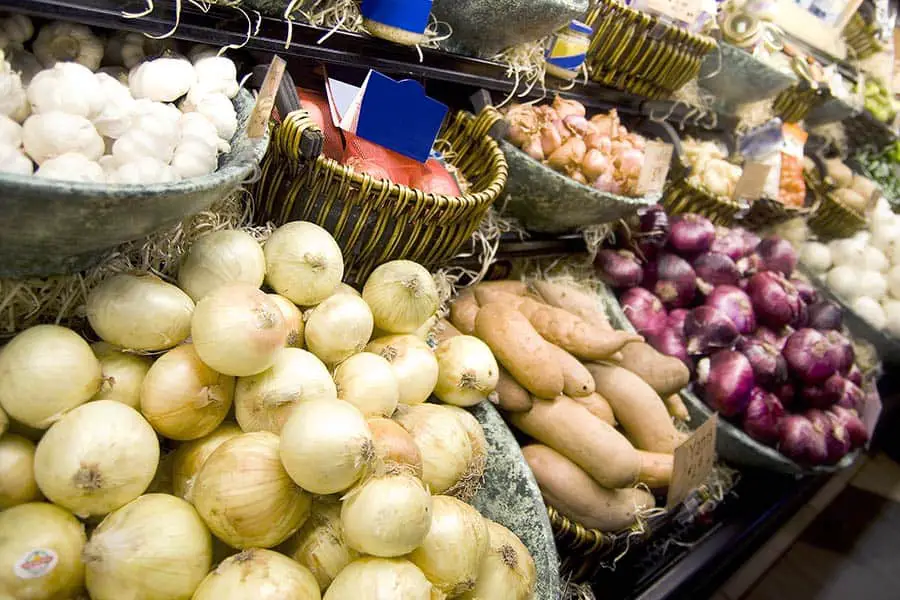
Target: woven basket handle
pixel 287 101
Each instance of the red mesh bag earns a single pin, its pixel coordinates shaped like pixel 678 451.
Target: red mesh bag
pixel 436 179
pixel 317 106
pixel 378 161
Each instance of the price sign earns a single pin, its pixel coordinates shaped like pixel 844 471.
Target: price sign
pixel 259 118
pixel 752 182
pixel 694 460
pixel 657 157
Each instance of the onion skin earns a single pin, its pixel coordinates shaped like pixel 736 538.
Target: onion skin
pixel 394 445
pixel 319 545
pixel 855 375
pixel 777 255
pixel 467 371
pixel 338 328
pixel 837 440
pixel 856 429
pixel 507 572
pixel 377 578
pixel 672 279
pixel 806 353
pixel 727 380
pixel 670 342
pixel 735 304
pixel 691 234
pixel 402 295
pixel 444 442
pixel 808 293
pixel 775 301
pixel 707 329
pixel 786 393
pixel 850 396
pixel 303 263
pixel 293 320
pixel 259 574
pixel 763 416
pixel 218 258
pixel 190 457
pixel 644 310
pixel 841 352
pixel 676 320
pixel 413 362
pixel 619 268
pixel 715 269
pixel 769 366
pixel 824 395
pixel 123 374
pixel 800 441
pixel 825 315
pixel 729 242
pixel 653 232
pixel 17 484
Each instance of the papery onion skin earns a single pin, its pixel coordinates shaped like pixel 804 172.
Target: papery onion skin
pixel 45 371
pixel 265 401
pixel 220 258
pixel 472 480
pixel 338 328
pixel 189 458
pixel 244 495
pixel 123 374
pixel 17 484
pixel 467 371
pixel 443 441
pixel 293 320
pixel 319 545
pixel 394 446
pixel 97 458
pixel 34 536
pixel 140 312
pixel 303 263
pixel 402 295
pixel 154 548
pixel 507 572
pixel 378 578
pixel 367 381
pixel 414 364
pixel 261 575
pixel 182 398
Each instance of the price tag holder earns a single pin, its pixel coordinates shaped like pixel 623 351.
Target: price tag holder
pixel 753 181
pixel 694 460
pixel 265 101
pixel 657 158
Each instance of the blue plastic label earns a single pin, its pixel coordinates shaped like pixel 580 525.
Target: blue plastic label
pixel 409 15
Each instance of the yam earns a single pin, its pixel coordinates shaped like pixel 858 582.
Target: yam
pixel 568 297
pixel 656 469
pixel 463 311
pixel 638 409
pixel 572 492
pixel 510 286
pixel 598 406
pixel 511 396
pixel 595 446
pixel 489 295
pixel 667 375
pixel 520 349
pixel 677 409
pixel 577 380
pixel 584 340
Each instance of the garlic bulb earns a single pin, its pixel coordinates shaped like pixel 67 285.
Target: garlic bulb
pixel 216 107
pixel 52 134
pixel 144 170
pixel 13 100
pixel 162 79
pixel 115 118
pixel 67 87
pixel 217 75
pixel 18 29
pixel 194 157
pixel 13 161
pixel 154 133
pixel 10 132
pixel 72 167
pixel 62 42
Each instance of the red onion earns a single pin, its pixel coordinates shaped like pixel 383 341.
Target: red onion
pixel 851 396
pixel 801 441
pixel 671 343
pixel 691 234
pixel 672 279
pixel 749 265
pixel 734 304
pixel 837 439
pixel 775 301
pixel 824 395
pixel 763 416
pixel 855 375
pixel 619 268
pixel 764 334
pixel 808 293
pixel 751 240
pixel 777 255
pixel 856 429
pixel 707 329
pixel 825 315
pixel 727 379
pixel 841 352
pixel 769 366
pixel 644 310
pixel 676 320
pixel 786 392
pixel 654 231
pixel 729 242
pixel 806 353
pixel 715 269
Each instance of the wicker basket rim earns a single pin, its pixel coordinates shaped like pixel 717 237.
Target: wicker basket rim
pixel 636 14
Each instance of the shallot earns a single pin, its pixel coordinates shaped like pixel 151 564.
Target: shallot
pixel 775 301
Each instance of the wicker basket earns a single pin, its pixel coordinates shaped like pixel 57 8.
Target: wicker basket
pixel 680 197
pixel 862 37
pixel 374 220
pixel 793 104
pixel 767 212
pixel 832 218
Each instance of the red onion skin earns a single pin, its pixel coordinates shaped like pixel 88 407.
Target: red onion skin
pixel 735 304
pixel 808 293
pixel 764 334
pixel 644 310
pixel 824 395
pixel 727 379
pixel 837 440
pixel 806 353
pixel 851 396
pixel 671 343
pixel 856 429
pixel 825 315
pixel 619 268
pixel 707 329
pixel 763 415
pixel 855 375
pixel 775 301
pixel 729 242
pixel 750 265
pixel 714 269
pixel 800 441
pixel 654 231
pixel 672 279
pixel 769 366
pixel 676 320
pixel 840 353
pixel 777 255
pixel 751 240
pixel 691 235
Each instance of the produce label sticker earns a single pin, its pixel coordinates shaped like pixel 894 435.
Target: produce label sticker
pixel 35 563
pixel 753 181
pixel 694 460
pixel 657 157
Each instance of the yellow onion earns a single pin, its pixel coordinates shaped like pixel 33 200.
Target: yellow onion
pixel 447 453
pixel 183 398
pixel 467 371
pixel 140 312
pixel 153 548
pixel 17 484
pixel 261 575
pixel 387 515
pixel 414 364
pixel 303 263
pixel 367 381
pixel 123 374
pixel 319 545
pixel 98 457
pixel 189 458
pixel 293 320
pixel 40 550
pixel 45 371
pixel 378 578
pixel 220 258
pixel 507 571
pixel 238 330
pixel 466 488
pixel 343 288
pixel 338 328
pixel 244 495
pixel 263 402
pixel 4 421
pixel 326 446
pixel 451 554
pixel 402 295
pixel 394 446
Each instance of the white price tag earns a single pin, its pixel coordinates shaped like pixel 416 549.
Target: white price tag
pixel 657 158
pixel 694 460
pixel 752 182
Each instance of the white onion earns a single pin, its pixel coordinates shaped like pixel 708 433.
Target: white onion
pixel 303 263
pixel 843 281
pixel 326 446
pixel 97 458
pixel 874 259
pixel 885 233
pixel 140 312
pixel 414 364
pixel 45 371
pixel 893 281
pixel 319 545
pixel 338 328
pixel 816 256
pixel 261 575
pixel 870 310
pixel 40 550
pixel 367 381
pixel 189 458
pixel 123 374
pixel 17 484
pixel 220 258
pixel 293 320
pixel 238 330
pixel 183 398
pixel 507 572
pixel 244 495
pixel 387 515
pixel 447 453
pixel 394 446
pixel 891 313
pixel 871 283
pixel 380 578
pixel 402 295
pixel 153 548
pixel 467 371
pixel 264 402
pixel 466 488
pixel 343 288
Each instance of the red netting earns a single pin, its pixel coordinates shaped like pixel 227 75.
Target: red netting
pixel 317 106
pixel 378 161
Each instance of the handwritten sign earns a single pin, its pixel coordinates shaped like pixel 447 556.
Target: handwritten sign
pixel 752 182
pixel 694 460
pixel 259 118
pixel 657 157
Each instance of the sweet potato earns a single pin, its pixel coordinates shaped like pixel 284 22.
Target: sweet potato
pixel 576 336
pixel 511 396
pixel 572 492
pixel 444 330
pixel 570 298
pixel 489 295
pixel 595 446
pixel 656 469
pixel 510 286
pixel 677 409
pixel 577 380
pixel 598 406
pixel 463 311
pixel 520 349
pixel 665 374
pixel 637 407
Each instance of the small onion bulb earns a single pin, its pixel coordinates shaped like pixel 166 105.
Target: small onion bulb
pixel 507 572
pixel 467 371
pixel 97 458
pixel 140 312
pixel 293 320
pixel 263 402
pixel 377 578
pixel 303 263
pixel 402 295
pixel 238 330
pixel 367 381
pixel 45 371
pixel 220 258
pixel 394 446
pixel 123 374
pixel 153 548
pixel 387 515
pixel 414 364
pixel 259 574
pixel 244 495
pixel 338 328
pixel 190 457
pixel 17 484
pixel 326 446
pixel 319 545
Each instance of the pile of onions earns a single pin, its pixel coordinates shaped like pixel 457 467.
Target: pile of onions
pixel 264 402
pixel 326 446
pixel 140 312
pixel 190 457
pixel 259 574
pixel 123 374
pixel 98 457
pixel 414 364
pixel 220 258
pixel 338 328
pixel 377 578
pixel 507 570
pixel 394 447
pixel 402 295
pixel 238 330
pixel 367 381
pixel 183 398
pixel 17 484
pixel 293 320
pixel 319 545
pixel 466 488
pixel 45 371
pixel 303 263
pixel 387 515
pixel 244 495
pixel 153 547
pixel 467 371
pixel 41 552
